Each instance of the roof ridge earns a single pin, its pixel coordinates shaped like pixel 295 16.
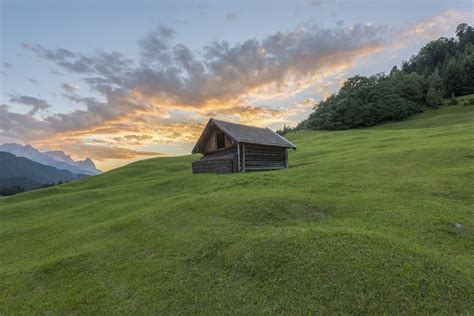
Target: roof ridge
pixel 242 133
pixel 216 122
pixel 239 124
pixel 283 138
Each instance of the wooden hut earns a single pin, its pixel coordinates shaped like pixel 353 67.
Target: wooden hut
pixel 231 147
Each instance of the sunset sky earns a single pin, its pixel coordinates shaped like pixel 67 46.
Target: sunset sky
pixel 118 81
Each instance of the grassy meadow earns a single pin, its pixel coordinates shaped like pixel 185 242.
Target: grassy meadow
pixel 377 220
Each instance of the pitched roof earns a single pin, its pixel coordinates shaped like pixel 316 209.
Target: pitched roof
pixel 243 134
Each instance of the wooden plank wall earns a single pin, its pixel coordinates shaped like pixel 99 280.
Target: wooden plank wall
pixel 221 161
pixel 212 144
pixel 214 165
pixel 252 157
pixel 220 152
pixel 260 157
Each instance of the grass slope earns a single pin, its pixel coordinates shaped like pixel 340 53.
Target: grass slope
pixel 361 222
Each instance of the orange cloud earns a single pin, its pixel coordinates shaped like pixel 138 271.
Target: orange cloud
pixel 80 150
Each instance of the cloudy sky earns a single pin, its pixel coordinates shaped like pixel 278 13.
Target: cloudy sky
pixel 118 81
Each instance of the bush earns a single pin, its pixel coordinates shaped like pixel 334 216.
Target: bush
pixel 285 130
pixel 453 100
pixel 468 101
pixel 434 98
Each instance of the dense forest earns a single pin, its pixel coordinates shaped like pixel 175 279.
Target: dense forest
pixel 11 190
pixel 443 68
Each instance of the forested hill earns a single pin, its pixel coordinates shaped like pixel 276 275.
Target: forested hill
pixel 442 68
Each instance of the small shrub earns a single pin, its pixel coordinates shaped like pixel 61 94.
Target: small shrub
pixel 470 101
pixel 453 100
pixel 434 98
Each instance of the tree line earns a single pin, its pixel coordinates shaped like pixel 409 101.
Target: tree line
pixel 11 190
pixel 443 68
pixel 15 189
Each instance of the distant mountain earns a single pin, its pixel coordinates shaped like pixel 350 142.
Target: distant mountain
pixel 57 159
pixel 30 174
pixel 86 165
pixel 60 155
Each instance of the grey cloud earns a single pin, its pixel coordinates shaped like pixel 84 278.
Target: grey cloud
pixel 106 64
pixel 60 54
pixel 7 65
pixel 69 88
pixel 231 17
pixel 15 126
pixel 55 72
pixel 95 114
pixel 226 71
pixel 63 57
pixel 178 21
pixel 186 60
pixel 165 31
pixel 81 65
pixel 71 96
pixel 315 2
pixel 111 66
pixel 155 45
pixel 221 71
pixel 35 103
pixel 25 127
pixel 33 81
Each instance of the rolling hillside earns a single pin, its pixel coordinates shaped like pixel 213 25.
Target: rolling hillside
pixel 364 221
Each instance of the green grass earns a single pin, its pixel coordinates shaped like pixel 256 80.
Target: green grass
pixel 361 222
